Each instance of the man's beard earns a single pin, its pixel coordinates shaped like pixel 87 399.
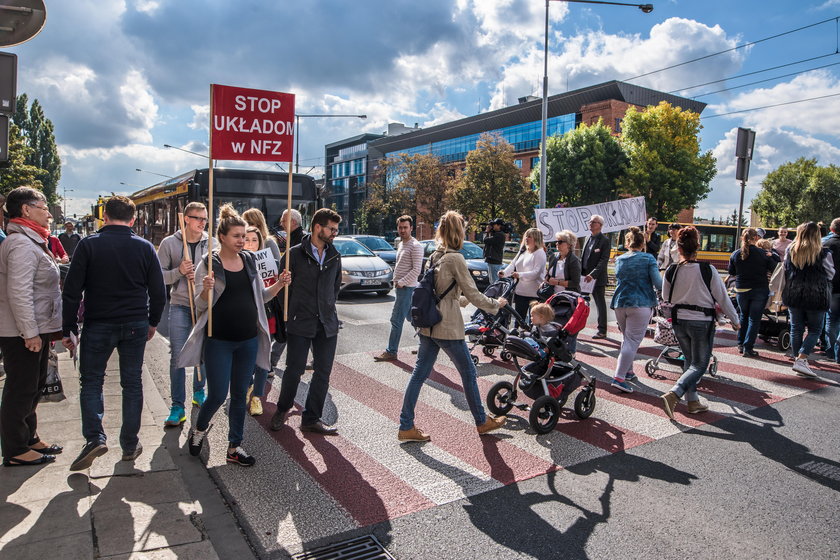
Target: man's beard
pixel 324 236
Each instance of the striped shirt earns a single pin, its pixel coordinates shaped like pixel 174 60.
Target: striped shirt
pixel 409 262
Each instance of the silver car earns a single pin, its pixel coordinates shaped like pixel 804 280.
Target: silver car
pixel 361 270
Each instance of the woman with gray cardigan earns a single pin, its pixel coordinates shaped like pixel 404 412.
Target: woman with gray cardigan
pixel 451 280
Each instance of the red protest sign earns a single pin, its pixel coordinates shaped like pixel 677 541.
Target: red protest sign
pixel 251 124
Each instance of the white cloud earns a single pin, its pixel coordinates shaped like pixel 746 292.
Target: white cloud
pixel 139 104
pixel 812 116
pixel 201 117
pixel 59 77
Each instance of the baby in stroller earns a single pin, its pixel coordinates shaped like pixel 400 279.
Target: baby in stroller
pixel 552 374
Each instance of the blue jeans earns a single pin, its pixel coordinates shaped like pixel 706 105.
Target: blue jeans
pixel 833 327
pixel 799 319
pixel 696 340
pixel 229 364
pixel 260 377
pixel 751 304
pixel 493 271
pixel 180 326
pixel 98 343
pixel 402 307
pixel 426 357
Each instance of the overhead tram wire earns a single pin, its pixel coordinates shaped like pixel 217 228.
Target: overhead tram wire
pixel 770 106
pixel 766 80
pixel 745 74
pixel 835 19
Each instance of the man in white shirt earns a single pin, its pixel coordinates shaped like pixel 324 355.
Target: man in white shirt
pixel 406 275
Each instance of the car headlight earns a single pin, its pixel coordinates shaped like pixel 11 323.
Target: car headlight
pixel 476 273
pixel 387 270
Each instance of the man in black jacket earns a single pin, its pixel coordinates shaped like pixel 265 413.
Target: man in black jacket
pixel 119 275
pixel 652 240
pixel 832 349
pixel 494 248
pixel 313 321
pixel 596 255
pixel 294 233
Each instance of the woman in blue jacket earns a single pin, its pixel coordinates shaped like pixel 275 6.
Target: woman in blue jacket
pixel 637 277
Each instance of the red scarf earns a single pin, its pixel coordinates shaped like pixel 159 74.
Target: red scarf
pixel 34 226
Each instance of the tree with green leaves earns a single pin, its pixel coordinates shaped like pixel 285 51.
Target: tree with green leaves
pixel 39 135
pixel 583 166
pixel 18 173
pixel 491 186
pixel 666 164
pixel 798 191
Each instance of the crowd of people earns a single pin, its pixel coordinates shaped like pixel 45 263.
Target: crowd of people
pixel 227 327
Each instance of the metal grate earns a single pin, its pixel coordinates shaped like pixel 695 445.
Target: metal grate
pixel 360 548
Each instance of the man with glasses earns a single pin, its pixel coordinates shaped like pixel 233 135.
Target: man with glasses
pixel 178 271
pixel 313 321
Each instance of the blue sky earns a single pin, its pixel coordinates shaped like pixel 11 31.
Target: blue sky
pixel 121 78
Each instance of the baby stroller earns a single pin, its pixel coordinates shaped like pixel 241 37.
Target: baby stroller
pixel 550 377
pixel 490 331
pixel 664 334
pixel 775 323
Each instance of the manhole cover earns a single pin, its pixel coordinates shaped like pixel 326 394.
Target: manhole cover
pixel 361 548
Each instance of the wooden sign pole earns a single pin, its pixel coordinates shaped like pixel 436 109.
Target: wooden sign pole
pixel 210 212
pixel 190 283
pixel 288 226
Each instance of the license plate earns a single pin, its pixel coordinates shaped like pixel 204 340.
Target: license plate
pixel 370 282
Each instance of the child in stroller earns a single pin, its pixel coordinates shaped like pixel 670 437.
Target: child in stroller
pixel 490 331
pixel 552 374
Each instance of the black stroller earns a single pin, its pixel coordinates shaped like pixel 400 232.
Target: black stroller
pixel 550 377
pixel 489 331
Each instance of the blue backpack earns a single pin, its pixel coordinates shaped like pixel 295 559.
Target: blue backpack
pixel 424 301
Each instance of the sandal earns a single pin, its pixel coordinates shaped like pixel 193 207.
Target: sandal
pixel 42 460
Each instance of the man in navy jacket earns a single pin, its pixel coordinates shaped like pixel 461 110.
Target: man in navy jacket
pixel 119 275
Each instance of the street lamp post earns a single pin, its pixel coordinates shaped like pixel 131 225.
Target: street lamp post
pixel 183 150
pixel 297 132
pixel 153 173
pixel 64 199
pixel 646 8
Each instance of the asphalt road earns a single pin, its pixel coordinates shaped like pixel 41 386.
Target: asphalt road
pixel 756 477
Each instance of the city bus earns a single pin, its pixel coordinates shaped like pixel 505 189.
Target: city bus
pixel 717 242
pixel 158 206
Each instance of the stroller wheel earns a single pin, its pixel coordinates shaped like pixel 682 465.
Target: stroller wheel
pixel 506 356
pixel 650 367
pixel 474 359
pixel 713 367
pixel 585 404
pixel 487 351
pixel 784 340
pixel 544 414
pixel 500 398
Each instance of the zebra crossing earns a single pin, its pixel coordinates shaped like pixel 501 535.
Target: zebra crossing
pixel 372 478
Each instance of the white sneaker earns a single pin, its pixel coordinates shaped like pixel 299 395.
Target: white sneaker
pixel 802 369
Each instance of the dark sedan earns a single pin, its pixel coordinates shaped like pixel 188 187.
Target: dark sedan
pixel 379 245
pixel 474 257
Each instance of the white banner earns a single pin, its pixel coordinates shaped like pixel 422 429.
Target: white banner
pixel 618 215
pixel 266 266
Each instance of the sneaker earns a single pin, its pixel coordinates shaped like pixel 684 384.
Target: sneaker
pixel 599 335
pixel 90 451
pixel 240 457
pixel 134 454
pixel 385 357
pixel 414 434
pixel 199 397
pixel 491 424
pixel 195 441
pixel 630 376
pixel 177 416
pixel 802 368
pixel 749 353
pixel 255 406
pixel 622 385
pixel 696 407
pixel 669 403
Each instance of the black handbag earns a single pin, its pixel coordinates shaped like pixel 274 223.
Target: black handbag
pixel 274 314
pixel 546 290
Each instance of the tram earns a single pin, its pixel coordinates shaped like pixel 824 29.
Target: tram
pixel 158 206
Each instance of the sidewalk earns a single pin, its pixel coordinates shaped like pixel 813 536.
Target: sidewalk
pixel 116 509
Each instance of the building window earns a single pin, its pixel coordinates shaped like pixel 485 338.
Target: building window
pixel 535 161
pixel 618 125
pixel 518 163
